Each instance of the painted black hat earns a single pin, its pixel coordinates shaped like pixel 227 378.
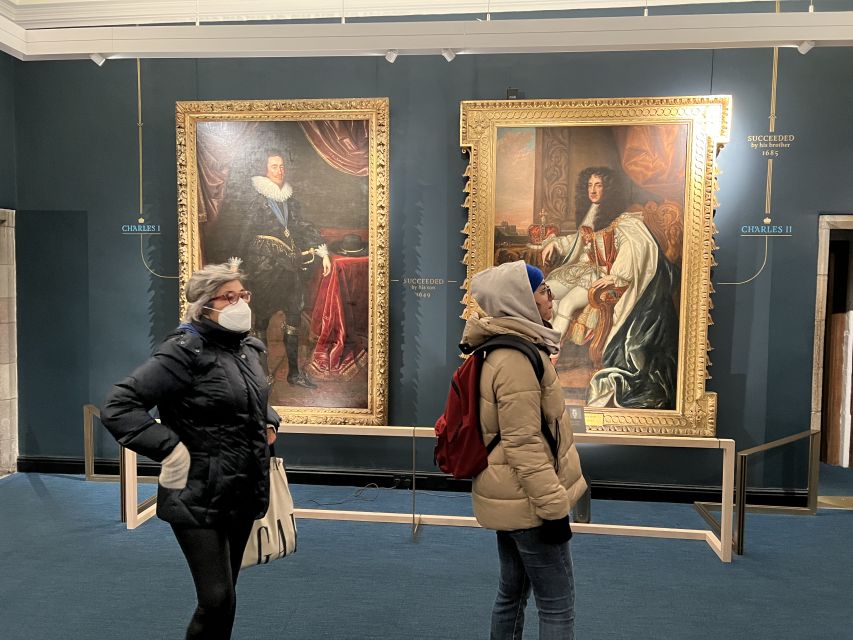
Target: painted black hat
pixel 350 245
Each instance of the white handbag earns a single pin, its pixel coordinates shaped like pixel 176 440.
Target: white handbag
pixel 274 535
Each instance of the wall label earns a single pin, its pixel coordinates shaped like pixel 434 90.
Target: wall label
pixel 140 228
pixel 423 287
pixel 771 145
pixel 767 230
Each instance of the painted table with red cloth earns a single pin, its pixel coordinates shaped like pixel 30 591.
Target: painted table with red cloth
pixel 340 319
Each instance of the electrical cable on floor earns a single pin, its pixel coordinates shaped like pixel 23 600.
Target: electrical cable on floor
pixel 357 496
pixel 446 494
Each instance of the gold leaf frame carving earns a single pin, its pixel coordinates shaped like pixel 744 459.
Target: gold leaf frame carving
pixel 708 119
pixel 376 112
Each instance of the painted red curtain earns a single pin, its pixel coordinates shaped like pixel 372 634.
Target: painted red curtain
pixel 654 157
pixel 341 143
pixel 216 144
pixel 340 319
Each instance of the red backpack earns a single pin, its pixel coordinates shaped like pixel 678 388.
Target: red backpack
pixel 459 447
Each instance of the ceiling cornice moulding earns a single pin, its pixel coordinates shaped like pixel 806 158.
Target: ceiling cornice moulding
pixel 7 10
pixel 77 13
pixel 13 39
pixel 429 38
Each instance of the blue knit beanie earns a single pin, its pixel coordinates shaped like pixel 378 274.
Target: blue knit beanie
pixel 535 275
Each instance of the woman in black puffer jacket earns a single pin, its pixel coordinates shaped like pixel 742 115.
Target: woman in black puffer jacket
pixel 208 382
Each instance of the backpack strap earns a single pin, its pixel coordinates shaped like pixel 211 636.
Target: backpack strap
pixel 532 353
pixel 519 344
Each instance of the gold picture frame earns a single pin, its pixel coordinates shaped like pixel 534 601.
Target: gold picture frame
pixel 332 159
pixel 537 161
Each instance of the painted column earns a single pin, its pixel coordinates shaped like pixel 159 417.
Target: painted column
pixel 8 346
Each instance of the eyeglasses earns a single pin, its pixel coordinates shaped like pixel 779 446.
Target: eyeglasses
pixel 233 296
pixel 546 290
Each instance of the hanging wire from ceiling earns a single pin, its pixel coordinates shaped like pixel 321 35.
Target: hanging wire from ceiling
pixel 139 125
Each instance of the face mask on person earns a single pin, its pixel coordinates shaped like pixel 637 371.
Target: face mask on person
pixel 235 317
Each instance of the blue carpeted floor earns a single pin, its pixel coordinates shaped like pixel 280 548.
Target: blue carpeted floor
pixel 835 481
pixel 69 570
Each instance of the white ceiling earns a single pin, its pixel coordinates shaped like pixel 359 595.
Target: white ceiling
pixel 67 29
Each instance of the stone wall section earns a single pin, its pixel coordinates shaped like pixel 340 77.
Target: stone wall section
pixel 8 346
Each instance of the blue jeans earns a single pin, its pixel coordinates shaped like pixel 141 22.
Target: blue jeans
pixel 527 561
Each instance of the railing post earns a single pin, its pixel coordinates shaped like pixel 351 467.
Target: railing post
pixel 122 482
pixel 814 469
pixel 414 488
pixel 742 466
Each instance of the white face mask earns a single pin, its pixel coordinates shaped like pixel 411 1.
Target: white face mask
pixel 235 317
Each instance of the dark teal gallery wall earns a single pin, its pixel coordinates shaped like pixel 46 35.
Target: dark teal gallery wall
pixel 76 124
pixel 52 247
pixel 7 131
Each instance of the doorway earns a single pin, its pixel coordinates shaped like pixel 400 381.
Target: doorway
pixel 832 379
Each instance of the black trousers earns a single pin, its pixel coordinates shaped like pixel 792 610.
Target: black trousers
pixel 214 557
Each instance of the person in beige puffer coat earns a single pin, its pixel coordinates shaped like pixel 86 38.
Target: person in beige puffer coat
pixel 524 494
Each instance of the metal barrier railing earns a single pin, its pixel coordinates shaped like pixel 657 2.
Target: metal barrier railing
pixel 134 513
pixel 741 469
pixel 721 540
pixel 90 412
pixel 127 468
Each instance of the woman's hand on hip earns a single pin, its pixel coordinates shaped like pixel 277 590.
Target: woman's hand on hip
pixel 175 468
pixel 271 434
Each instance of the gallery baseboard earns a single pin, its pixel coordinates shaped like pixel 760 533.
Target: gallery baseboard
pixel 435 481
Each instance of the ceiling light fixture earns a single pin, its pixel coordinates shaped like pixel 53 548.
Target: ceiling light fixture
pixel 391 55
pixel 448 54
pixel 98 59
pixel 805 46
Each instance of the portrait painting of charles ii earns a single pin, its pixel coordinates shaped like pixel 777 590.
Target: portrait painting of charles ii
pixel 601 210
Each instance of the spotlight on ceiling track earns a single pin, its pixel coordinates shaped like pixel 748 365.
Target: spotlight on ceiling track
pixel 391 55
pixel 805 46
pixel 448 54
pixel 98 59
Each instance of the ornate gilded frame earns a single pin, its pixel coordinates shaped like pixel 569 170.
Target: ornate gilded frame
pixel 708 119
pixel 376 112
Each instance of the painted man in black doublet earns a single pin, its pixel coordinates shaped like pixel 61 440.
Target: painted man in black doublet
pixel 278 249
